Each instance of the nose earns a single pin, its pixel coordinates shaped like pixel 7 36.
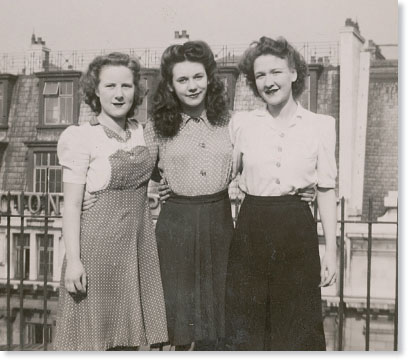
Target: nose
pixel 269 80
pixel 118 92
pixel 192 86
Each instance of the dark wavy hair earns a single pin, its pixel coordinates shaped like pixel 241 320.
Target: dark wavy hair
pixel 167 109
pixel 90 79
pixel 280 48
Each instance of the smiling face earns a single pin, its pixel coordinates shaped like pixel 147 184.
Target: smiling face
pixel 274 79
pixel 190 85
pixel 116 91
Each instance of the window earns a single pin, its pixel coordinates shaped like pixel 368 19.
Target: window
pixel 22 255
pixel 47 172
pixel 7 82
pixel 58 98
pixel 58 102
pixel 34 329
pixel 43 256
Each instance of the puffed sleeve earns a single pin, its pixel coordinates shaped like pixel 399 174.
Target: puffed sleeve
pixel 73 154
pixel 235 130
pixel 152 144
pixel 326 158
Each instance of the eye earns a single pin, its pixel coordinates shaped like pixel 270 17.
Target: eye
pixel 258 76
pixel 199 76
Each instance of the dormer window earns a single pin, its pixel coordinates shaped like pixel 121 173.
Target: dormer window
pixel 6 88
pixel 59 99
pixel 58 103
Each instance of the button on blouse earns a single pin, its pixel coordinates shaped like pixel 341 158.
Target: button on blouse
pixel 280 161
pixel 197 160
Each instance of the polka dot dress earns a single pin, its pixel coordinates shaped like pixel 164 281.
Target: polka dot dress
pixel 124 303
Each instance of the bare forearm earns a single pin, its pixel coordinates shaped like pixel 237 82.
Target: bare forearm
pixel 73 194
pixel 71 229
pixel 326 201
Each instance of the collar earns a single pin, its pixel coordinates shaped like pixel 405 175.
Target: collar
pixel 94 121
pixel 186 118
pixel 299 114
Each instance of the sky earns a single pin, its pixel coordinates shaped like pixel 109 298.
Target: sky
pixel 120 24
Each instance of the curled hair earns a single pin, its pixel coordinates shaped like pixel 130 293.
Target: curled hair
pixel 280 48
pixel 90 79
pixel 167 109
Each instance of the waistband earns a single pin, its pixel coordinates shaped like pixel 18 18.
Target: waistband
pixel 275 200
pixel 200 199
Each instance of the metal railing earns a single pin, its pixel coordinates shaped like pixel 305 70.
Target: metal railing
pixel 19 288
pixel 325 53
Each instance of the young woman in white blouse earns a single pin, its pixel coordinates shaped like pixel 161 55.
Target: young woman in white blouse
pixel 111 296
pixel 274 272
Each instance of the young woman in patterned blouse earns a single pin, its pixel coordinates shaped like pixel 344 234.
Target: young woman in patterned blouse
pixel 189 139
pixel 274 272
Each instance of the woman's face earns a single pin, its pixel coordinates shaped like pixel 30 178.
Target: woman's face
pixel 190 84
pixel 116 91
pixel 274 79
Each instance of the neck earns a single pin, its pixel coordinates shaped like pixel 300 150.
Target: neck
pixel 194 112
pixel 112 123
pixel 283 111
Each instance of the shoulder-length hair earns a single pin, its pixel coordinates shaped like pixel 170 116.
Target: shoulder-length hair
pixel 90 79
pixel 166 108
pixel 280 48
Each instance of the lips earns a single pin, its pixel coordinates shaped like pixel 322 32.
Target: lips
pixel 271 91
pixel 193 96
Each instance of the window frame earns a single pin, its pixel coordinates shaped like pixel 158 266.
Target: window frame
pixel 50 251
pixel 7 82
pixel 58 77
pixel 33 149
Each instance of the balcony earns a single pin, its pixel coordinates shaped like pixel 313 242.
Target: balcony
pixel 360 312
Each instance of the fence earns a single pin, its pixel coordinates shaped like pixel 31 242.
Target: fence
pixel 325 53
pixel 21 211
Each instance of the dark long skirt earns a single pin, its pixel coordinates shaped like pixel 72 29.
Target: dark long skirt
pixel 273 299
pixel 194 236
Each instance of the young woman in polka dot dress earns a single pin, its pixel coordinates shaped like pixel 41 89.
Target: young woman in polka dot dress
pixel 111 293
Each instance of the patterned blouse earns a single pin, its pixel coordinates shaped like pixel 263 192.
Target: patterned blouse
pixel 197 160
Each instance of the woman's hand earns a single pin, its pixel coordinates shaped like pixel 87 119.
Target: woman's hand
pixel 328 269
pixel 89 201
pixel 164 191
pixel 75 277
pixel 307 194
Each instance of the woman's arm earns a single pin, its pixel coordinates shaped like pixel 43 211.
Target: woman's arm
pixel 326 201
pixel 75 276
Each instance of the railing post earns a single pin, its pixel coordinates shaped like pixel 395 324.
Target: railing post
pixel 369 248
pixel 396 291
pixel 8 273
pixel 341 300
pixel 45 294
pixel 21 206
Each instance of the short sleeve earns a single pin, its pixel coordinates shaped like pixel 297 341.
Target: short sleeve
pixel 74 155
pixel 326 158
pixel 235 131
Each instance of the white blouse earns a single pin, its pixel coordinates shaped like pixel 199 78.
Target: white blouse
pixel 280 161
pixel 83 151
